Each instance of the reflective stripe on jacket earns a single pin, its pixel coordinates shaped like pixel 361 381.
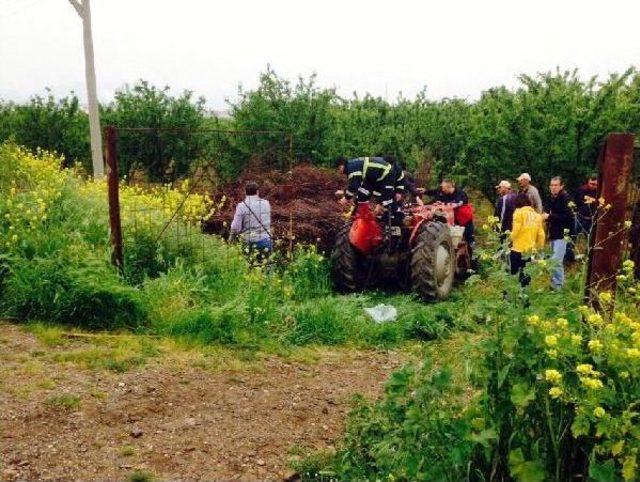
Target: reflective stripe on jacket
pixel 370 176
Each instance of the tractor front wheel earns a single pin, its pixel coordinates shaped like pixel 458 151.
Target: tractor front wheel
pixel 345 265
pixel 432 261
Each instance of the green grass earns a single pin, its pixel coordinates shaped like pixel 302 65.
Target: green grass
pixel 141 476
pixel 63 401
pixel 127 450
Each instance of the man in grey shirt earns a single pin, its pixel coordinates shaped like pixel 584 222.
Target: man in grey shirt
pixel 524 180
pixel 252 221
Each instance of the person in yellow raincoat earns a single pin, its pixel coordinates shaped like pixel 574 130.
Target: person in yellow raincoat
pixel 527 237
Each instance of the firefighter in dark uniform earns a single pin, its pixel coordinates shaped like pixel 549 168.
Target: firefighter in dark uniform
pixel 370 177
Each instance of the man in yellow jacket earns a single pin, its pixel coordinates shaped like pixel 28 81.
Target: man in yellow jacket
pixel 527 236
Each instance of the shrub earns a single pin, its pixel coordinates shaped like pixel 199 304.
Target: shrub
pixel 46 123
pixel 416 433
pixel 61 290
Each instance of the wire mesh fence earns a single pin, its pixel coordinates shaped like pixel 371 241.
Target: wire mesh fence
pixel 186 170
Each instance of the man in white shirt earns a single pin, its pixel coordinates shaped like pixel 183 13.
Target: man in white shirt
pixel 252 221
pixel 524 180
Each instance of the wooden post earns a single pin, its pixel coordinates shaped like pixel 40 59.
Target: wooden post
pixel 606 247
pixel 115 226
pixel 84 11
pixel 291 237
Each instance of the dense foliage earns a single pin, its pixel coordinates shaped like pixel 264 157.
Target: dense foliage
pixel 44 122
pixel 553 123
pixel 168 148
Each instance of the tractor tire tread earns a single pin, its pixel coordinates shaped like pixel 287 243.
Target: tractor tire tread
pixel 423 261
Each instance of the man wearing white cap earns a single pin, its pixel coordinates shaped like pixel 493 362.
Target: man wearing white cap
pixel 505 206
pixel 524 180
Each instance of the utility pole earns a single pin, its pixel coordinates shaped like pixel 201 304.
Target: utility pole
pixel 84 11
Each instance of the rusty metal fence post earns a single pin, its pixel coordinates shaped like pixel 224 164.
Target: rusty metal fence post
pixel 634 238
pixel 606 247
pixel 117 257
pixel 634 233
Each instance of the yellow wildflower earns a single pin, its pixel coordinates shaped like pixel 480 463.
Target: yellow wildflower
pixel 584 369
pixel 551 340
pixel 599 412
pixel 595 319
pixel 556 392
pixel 576 339
pixel 583 310
pixel 633 353
pixel 591 383
pixel 595 346
pixel 553 376
pixel 616 448
pixel 605 297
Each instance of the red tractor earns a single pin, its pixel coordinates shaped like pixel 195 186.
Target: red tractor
pixel 424 252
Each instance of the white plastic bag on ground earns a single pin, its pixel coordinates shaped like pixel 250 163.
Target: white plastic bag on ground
pixel 382 313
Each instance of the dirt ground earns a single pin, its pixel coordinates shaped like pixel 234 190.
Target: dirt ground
pixel 64 417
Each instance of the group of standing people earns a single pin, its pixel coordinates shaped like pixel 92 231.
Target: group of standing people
pixel 522 216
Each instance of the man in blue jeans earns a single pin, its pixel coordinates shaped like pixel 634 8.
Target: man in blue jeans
pixel 252 221
pixel 560 221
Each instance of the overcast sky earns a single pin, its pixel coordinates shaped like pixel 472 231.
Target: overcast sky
pixel 455 47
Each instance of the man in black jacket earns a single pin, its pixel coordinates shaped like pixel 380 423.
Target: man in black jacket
pixel 560 221
pixel 505 206
pixel 586 205
pixel 456 197
pixel 370 177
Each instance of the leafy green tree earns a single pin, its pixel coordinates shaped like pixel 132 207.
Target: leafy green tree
pixel 164 154
pixel 56 125
pixel 553 124
pixel 302 110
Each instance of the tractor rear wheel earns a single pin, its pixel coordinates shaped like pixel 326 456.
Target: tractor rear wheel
pixel 345 264
pixel 432 261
